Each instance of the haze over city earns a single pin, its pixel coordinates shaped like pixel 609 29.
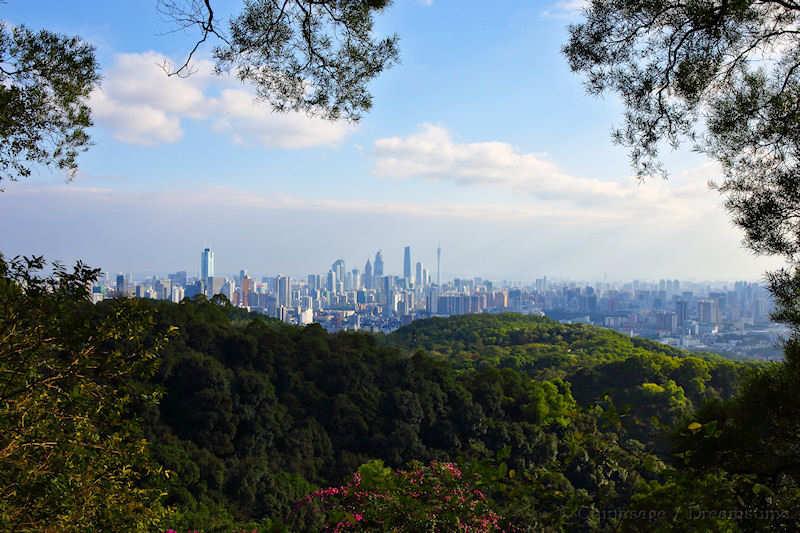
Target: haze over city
pixel 498 154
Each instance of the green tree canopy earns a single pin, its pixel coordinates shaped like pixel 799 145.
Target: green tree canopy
pixel 45 79
pixel 72 454
pixel 312 55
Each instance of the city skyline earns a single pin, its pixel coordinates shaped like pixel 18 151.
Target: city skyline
pixel 729 318
pixel 397 268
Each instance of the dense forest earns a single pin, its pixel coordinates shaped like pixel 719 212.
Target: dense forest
pixel 222 420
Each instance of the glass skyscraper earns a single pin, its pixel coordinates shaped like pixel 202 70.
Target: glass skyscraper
pixel 206 265
pixel 407 272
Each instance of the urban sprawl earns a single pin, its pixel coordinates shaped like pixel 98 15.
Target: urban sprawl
pixel 727 318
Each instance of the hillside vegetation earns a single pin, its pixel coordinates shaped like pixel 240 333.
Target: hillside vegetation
pixel 201 416
pixel 650 385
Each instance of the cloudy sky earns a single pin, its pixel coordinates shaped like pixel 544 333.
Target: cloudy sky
pixel 481 139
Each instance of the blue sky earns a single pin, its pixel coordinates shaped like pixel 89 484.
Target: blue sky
pixel 480 138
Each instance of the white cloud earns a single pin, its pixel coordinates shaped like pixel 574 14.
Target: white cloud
pixel 572 5
pixel 135 123
pixel 140 104
pixel 253 123
pixel 431 153
pixel 565 8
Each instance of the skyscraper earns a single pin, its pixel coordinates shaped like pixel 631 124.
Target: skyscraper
pixel 439 265
pixel 247 288
pixel 339 268
pixel 283 291
pixel 368 276
pixel 206 265
pixel 215 284
pixel 708 312
pixel 682 312
pixel 419 279
pixel 378 264
pixel 407 273
pixel 388 290
pixel 122 288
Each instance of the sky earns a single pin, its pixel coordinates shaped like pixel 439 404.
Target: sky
pixel 481 139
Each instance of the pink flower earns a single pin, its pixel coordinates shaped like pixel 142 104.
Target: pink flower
pixel 359 517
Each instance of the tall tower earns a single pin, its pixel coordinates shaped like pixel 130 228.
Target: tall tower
pixel 368 277
pixel 339 268
pixel 206 265
pixel 122 287
pixel 407 272
pixel 378 264
pixel 439 265
pixel 283 291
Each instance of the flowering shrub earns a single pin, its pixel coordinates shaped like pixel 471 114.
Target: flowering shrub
pixel 434 497
pixel 199 531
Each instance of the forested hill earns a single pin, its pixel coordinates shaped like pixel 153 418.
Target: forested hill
pixel 510 338
pixel 256 412
pixel 655 385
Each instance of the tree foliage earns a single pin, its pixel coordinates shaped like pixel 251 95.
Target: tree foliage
pixel 45 79
pixel 314 56
pixel 72 455
pixel 724 75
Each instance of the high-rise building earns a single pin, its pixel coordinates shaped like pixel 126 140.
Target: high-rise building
pixel 378 264
pixel 419 279
pixel 407 273
pixel 666 320
pixel 163 288
pixel 206 265
pixel 439 266
pixel 682 312
pixel 247 287
pixel 176 294
pixel 708 312
pixel 387 287
pixel 178 278
pixel 339 268
pixel 122 287
pixel 283 291
pixel 215 284
pixel 368 275
pixel 331 281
